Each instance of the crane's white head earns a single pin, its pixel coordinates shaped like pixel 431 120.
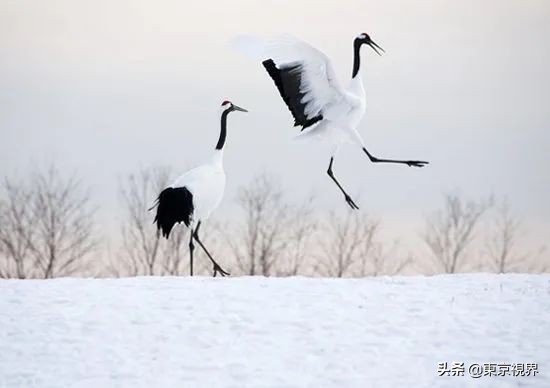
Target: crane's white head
pixel 228 106
pixel 364 38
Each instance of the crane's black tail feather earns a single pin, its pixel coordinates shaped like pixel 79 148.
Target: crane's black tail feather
pixel 174 205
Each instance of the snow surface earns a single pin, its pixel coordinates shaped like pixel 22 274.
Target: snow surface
pixel 268 332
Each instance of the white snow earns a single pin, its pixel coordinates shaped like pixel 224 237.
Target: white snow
pixel 268 332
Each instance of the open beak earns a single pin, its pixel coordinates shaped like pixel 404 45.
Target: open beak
pixel 235 107
pixel 375 47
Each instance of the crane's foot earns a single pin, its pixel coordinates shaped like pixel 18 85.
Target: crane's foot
pixel 219 269
pixel 416 163
pixel 350 202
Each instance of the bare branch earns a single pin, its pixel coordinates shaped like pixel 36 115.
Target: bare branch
pixel 450 231
pixel 503 245
pixel 300 231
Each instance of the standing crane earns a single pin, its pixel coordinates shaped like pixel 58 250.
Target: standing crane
pixel 196 194
pixel 307 83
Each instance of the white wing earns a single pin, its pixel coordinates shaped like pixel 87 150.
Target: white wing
pixel 305 78
pixel 206 183
pixel 195 175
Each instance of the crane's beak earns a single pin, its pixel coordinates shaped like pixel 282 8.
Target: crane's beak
pixel 235 107
pixel 375 47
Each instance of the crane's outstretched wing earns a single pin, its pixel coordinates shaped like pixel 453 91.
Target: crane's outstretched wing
pixel 306 81
pixel 288 80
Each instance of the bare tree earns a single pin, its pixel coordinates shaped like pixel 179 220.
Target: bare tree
pixel 451 230
pixel 47 227
pixel 300 231
pixel 16 220
pixel 263 232
pixel 377 259
pixel 346 242
pixel 174 253
pixel 141 242
pixel 502 244
pixel 371 252
pixel 64 231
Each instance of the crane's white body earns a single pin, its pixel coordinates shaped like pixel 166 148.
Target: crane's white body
pixel 207 184
pixel 341 127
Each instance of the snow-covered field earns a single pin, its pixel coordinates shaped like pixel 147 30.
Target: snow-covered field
pixel 267 332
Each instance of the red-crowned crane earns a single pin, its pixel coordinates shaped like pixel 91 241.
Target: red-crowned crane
pixel 196 194
pixel 307 83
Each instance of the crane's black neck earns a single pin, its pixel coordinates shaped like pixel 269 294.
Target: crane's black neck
pixel 356 57
pixel 223 130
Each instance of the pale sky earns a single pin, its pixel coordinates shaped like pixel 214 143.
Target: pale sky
pixel 105 87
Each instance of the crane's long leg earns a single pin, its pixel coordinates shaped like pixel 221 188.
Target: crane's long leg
pixel 191 249
pixel 331 175
pixel 217 268
pixel 412 163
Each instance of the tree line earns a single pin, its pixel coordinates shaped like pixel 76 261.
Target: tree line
pixel 48 228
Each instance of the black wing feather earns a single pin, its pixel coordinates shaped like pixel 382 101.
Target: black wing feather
pixel 288 80
pixel 174 205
